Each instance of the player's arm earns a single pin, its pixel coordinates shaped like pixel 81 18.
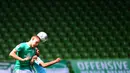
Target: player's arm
pixel 15 50
pixel 13 54
pixel 33 59
pixel 35 56
pixel 49 63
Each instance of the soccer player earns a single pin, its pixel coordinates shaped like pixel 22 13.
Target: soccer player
pixel 23 54
pixel 39 66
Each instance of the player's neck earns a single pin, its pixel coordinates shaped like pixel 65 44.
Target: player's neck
pixel 29 43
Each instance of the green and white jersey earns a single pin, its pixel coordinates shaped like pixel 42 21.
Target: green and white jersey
pixel 23 51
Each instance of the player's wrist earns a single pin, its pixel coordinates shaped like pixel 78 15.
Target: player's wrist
pixel 33 60
pixel 24 59
pixel 55 61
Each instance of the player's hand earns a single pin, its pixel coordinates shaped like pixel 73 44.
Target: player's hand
pixel 34 57
pixel 58 60
pixel 25 59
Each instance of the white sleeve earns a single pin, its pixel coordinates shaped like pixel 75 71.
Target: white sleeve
pixel 38 61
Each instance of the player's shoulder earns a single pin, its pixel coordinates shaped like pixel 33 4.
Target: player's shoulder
pixel 38 61
pixel 22 44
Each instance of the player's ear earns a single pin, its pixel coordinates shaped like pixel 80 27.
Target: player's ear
pixel 32 38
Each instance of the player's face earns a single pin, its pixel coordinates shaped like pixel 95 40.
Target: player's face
pixel 37 52
pixel 35 42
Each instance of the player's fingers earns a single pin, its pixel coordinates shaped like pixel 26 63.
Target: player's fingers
pixel 34 57
pixel 59 58
pixel 27 58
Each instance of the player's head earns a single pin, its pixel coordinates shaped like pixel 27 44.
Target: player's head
pixel 35 40
pixel 37 52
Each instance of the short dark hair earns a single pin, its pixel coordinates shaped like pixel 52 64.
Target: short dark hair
pixel 35 37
